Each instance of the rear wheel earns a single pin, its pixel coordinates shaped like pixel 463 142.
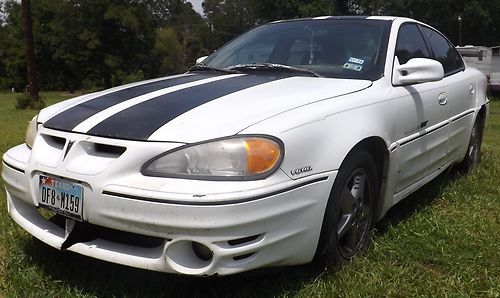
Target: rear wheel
pixel 473 155
pixel 349 214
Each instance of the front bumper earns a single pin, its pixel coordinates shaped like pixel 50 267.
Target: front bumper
pixel 160 224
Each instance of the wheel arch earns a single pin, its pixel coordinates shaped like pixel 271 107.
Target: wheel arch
pixel 377 148
pixel 482 113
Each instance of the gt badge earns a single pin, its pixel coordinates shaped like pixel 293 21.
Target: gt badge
pixel 301 170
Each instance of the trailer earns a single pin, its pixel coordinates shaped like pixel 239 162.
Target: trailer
pixel 494 82
pixel 485 59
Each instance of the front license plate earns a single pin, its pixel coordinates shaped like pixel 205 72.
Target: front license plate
pixel 61 196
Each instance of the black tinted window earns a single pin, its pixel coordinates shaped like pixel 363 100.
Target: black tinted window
pixel 443 51
pixel 410 44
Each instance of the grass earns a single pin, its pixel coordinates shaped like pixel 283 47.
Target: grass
pixel 444 240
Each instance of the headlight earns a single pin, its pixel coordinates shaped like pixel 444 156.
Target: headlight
pixel 31 131
pixel 237 158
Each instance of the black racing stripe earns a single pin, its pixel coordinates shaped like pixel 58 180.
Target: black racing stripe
pixel 139 122
pixel 70 118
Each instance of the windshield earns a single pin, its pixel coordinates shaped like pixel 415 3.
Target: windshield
pixel 335 48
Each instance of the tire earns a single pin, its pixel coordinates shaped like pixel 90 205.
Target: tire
pixel 473 155
pixel 349 215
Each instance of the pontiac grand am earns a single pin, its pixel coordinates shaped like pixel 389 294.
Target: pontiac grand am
pixel 284 146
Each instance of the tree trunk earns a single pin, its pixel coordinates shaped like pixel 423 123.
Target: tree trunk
pixel 341 7
pixel 30 52
pixel 108 77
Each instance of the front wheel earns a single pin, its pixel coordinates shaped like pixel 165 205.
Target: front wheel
pixel 349 215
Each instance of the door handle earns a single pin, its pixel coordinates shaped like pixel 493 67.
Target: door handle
pixel 472 90
pixel 443 99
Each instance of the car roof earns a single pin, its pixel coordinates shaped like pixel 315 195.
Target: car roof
pixel 384 18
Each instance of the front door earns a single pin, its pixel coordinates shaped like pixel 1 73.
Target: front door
pixel 423 116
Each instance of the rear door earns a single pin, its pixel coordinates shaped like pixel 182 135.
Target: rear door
pixel 459 95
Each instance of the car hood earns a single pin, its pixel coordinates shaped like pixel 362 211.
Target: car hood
pixel 191 107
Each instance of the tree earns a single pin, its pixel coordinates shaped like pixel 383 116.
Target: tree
pixel 342 7
pixel 190 29
pixel 98 44
pixel 12 50
pixel 30 52
pixel 478 16
pixel 169 48
pixel 233 17
pixel 89 44
pixel 3 52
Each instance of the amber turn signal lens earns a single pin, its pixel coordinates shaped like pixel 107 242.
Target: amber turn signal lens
pixel 237 158
pixel 262 155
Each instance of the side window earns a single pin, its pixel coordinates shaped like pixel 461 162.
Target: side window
pixel 410 44
pixel 443 51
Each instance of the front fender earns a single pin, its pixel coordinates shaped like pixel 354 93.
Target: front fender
pixel 318 137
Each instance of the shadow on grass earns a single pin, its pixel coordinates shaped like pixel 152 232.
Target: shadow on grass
pixel 419 200
pixel 93 277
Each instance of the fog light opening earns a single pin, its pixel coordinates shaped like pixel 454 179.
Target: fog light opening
pixel 201 251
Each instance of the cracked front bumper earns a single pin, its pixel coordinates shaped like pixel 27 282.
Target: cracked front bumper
pixel 174 225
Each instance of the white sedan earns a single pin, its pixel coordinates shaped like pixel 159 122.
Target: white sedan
pixel 284 146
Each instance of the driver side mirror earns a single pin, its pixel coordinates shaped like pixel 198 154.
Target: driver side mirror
pixel 416 71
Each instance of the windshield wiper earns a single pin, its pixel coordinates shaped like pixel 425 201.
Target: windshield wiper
pixel 204 67
pixel 273 66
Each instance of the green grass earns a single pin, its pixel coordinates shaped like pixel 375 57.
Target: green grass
pixel 442 241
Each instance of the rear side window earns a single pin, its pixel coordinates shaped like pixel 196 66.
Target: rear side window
pixel 443 51
pixel 410 44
